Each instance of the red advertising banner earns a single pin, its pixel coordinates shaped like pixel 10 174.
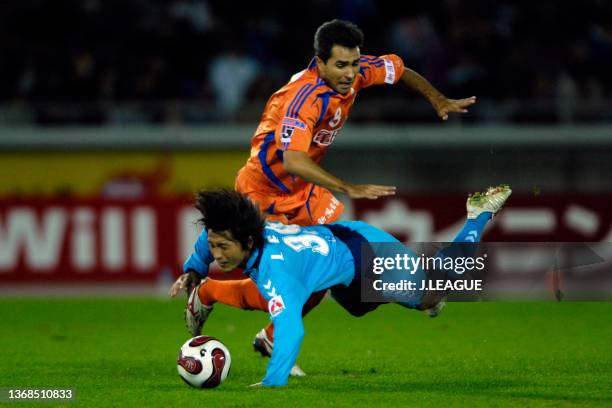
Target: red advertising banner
pixel 525 218
pixel 84 240
pixel 102 240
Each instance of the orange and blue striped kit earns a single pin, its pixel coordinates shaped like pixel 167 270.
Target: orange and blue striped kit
pixel 304 115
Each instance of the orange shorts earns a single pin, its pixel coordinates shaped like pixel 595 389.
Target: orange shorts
pixel 309 206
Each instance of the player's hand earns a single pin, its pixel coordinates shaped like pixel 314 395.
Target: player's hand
pixel 186 281
pixel 371 191
pixel 446 106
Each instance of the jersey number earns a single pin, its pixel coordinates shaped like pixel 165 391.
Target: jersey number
pixel 335 121
pixel 300 242
pixel 284 228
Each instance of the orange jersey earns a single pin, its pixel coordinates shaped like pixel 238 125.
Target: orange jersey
pixel 307 115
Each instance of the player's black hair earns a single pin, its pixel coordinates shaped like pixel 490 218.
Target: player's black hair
pixel 228 210
pixel 336 32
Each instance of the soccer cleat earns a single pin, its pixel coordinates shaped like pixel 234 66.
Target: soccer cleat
pixel 263 346
pixel 196 313
pixel 490 201
pixel 296 371
pixel 437 309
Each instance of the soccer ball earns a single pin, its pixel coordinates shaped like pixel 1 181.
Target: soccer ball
pixel 203 362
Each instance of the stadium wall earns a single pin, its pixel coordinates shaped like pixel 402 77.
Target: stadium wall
pixel 95 205
pixel 421 158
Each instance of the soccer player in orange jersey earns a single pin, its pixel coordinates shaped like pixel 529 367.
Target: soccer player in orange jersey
pixel 303 118
pixel 299 123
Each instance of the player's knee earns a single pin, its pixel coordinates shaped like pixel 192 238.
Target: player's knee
pixel 314 299
pixel 361 309
pixel 430 299
pixel 357 313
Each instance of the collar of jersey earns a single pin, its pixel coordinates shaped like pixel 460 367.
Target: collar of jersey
pixel 253 262
pixel 312 65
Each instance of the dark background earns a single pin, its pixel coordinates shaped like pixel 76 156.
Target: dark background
pixel 198 61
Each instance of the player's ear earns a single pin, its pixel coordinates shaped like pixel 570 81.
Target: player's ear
pixel 320 63
pixel 250 243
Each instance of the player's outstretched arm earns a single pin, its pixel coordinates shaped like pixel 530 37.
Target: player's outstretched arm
pixel 441 103
pixel 187 281
pixel 288 336
pixel 195 267
pixel 300 164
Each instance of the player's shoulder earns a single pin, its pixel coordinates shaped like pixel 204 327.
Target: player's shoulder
pixel 298 97
pixel 377 59
pixel 374 60
pixel 385 67
pixel 303 81
pixel 367 62
pixel 280 229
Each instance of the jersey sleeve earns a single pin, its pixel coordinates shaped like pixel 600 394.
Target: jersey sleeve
pixel 286 298
pixel 288 336
pixel 201 257
pixel 300 115
pixel 387 69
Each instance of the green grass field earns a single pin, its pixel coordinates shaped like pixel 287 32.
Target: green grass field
pixel 122 352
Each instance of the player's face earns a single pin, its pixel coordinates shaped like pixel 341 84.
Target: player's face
pixel 341 68
pixel 228 252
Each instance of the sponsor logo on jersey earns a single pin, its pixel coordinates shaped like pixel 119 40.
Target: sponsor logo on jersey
pixel 325 137
pixel 335 121
pixel 288 127
pixel 296 123
pixel 389 72
pixel 329 211
pixel 286 133
pixel 276 305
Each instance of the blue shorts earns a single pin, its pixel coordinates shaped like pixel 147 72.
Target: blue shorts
pixel 354 234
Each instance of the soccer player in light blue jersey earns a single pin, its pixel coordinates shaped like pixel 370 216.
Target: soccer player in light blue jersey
pixel 288 263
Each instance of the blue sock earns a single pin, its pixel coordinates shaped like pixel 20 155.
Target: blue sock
pixel 471 232
pixel 472 229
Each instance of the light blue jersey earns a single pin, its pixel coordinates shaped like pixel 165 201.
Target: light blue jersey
pixel 294 263
pixel 298 261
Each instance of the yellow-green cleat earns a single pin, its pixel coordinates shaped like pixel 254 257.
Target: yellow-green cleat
pixel 490 201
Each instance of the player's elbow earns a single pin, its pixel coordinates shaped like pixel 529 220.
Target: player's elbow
pixel 296 336
pixel 299 334
pixel 293 162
